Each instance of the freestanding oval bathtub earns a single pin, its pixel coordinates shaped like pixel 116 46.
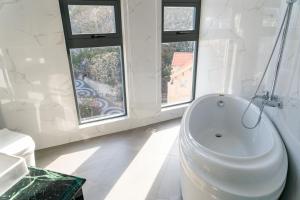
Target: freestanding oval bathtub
pixel 222 160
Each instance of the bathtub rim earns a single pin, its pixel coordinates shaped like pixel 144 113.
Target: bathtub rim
pixel 188 137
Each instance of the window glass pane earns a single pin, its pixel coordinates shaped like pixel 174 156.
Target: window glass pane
pixel 99 82
pixel 92 19
pixel 177 72
pixel 179 18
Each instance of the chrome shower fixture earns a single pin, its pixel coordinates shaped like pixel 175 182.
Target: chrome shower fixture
pixel 269 98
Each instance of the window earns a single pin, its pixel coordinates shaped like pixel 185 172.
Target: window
pixel 180 36
pixel 94 44
pixel 92 19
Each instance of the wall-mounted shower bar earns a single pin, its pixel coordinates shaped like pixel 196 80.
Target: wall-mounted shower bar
pixel 269 98
pixel 282 47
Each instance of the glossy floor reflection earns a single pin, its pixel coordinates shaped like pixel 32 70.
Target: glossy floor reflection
pixel 137 164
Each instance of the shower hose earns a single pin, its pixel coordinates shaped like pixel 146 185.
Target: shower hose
pixel 262 105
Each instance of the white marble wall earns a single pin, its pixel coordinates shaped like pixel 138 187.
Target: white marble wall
pixel 236 41
pixel 36 94
pixel 288 119
pixel 236 38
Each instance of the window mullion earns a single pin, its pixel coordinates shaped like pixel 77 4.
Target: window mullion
pixel 90 2
pixel 100 42
pixel 174 37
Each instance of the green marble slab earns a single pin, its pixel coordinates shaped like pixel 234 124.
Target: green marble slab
pixel 42 184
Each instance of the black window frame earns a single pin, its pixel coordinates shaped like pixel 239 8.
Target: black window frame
pixel 184 36
pixel 92 41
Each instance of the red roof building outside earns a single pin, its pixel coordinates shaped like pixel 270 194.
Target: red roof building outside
pixel 181 59
pixel 180 86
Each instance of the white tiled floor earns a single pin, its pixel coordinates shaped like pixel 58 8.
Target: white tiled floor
pixel 133 165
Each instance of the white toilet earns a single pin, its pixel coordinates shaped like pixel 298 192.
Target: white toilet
pixel 17 144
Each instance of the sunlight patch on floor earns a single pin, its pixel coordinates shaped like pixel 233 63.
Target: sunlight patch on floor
pixel 69 163
pixel 136 181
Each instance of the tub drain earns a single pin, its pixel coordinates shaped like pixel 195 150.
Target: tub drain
pixel 219 135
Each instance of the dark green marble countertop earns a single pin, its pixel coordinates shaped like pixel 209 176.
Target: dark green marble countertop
pixel 42 184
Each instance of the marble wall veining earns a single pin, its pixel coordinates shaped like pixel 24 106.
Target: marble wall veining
pixel 287 119
pixel 235 43
pixel 36 94
pixel 236 40
pixel 236 37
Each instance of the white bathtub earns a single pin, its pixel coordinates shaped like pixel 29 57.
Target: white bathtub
pixel 222 160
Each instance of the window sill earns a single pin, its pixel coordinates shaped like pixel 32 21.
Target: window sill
pixel 103 122
pixel 175 107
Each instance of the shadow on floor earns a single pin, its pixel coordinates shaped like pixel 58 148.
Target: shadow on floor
pixel 137 164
